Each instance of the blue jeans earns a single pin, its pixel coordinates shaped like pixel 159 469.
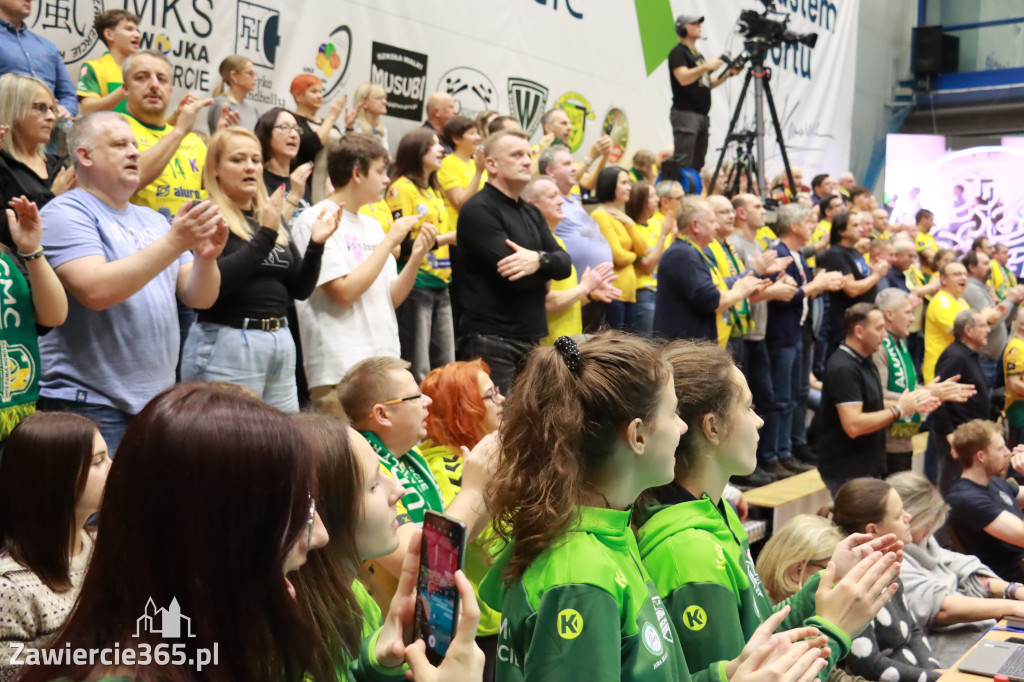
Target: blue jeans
pixel 186 318
pixel 259 360
pixel 757 369
pixel 621 315
pixel 111 421
pixel 644 318
pixel 786 365
pixel 426 330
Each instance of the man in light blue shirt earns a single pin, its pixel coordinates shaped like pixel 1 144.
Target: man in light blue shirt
pixel 583 239
pixel 22 51
pixel 122 266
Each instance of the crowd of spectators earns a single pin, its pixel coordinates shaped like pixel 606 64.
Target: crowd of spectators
pixel 174 300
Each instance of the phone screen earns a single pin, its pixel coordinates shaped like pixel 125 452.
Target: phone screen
pixel 437 598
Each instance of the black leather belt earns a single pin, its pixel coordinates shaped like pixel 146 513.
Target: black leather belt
pixel 270 324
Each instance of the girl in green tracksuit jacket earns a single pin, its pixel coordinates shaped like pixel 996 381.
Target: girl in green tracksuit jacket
pixel 357 503
pixel 585 431
pixel 694 546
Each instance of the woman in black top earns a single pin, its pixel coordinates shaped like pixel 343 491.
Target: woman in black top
pixel 278 136
pixel 28 108
pixel 243 338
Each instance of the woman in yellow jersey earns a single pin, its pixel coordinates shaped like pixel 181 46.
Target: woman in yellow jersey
pixel 566 297
pixel 657 234
pixel 627 242
pixel 425 326
pixel 462 172
pixel 1013 370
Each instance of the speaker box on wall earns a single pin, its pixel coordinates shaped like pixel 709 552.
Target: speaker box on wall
pixel 927 50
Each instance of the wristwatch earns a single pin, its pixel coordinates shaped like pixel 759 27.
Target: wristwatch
pixel 544 258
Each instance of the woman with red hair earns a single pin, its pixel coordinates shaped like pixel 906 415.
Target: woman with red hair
pixel 466 408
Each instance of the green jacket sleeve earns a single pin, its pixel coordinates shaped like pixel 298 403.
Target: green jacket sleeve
pixel 575 634
pixel 367 669
pixel 707 619
pixel 802 612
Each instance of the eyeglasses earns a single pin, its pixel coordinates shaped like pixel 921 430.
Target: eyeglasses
pixel 287 128
pixel 41 108
pixel 312 517
pixel 494 395
pixel 395 401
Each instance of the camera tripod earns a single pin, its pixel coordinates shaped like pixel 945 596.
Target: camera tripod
pixel 743 167
pixel 760 75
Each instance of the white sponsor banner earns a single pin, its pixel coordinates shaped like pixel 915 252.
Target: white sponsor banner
pixel 523 56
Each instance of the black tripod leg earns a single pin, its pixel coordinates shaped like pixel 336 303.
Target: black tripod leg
pixel 778 134
pixel 732 127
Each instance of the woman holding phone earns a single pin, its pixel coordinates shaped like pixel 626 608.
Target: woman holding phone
pixel 357 505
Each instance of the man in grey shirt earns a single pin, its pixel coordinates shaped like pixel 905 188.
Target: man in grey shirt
pixel 756 364
pixel 980 297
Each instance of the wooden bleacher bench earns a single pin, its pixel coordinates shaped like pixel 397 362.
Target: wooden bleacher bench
pixel 800 494
pixel 805 493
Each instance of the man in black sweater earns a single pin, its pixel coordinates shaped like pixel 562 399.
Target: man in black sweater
pixel 970 334
pixel 506 254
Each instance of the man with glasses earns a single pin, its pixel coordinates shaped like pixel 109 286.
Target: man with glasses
pixel 99 82
pixel 384 403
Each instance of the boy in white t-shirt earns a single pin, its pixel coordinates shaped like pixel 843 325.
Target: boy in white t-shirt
pixel 351 314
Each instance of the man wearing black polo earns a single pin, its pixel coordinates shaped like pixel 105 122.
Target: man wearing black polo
pixel 505 257
pixel 690 76
pixel 854 414
pixel 970 335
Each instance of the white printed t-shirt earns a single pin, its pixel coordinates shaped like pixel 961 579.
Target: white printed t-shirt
pixel 335 337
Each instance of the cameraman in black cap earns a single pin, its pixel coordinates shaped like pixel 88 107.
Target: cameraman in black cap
pixel 691 79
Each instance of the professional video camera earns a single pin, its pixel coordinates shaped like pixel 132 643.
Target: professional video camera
pixel 761 31
pixel 771 27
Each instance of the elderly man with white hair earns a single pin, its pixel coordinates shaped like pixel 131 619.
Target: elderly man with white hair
pixel 567 297
pixel 896 370
pixel 122 266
